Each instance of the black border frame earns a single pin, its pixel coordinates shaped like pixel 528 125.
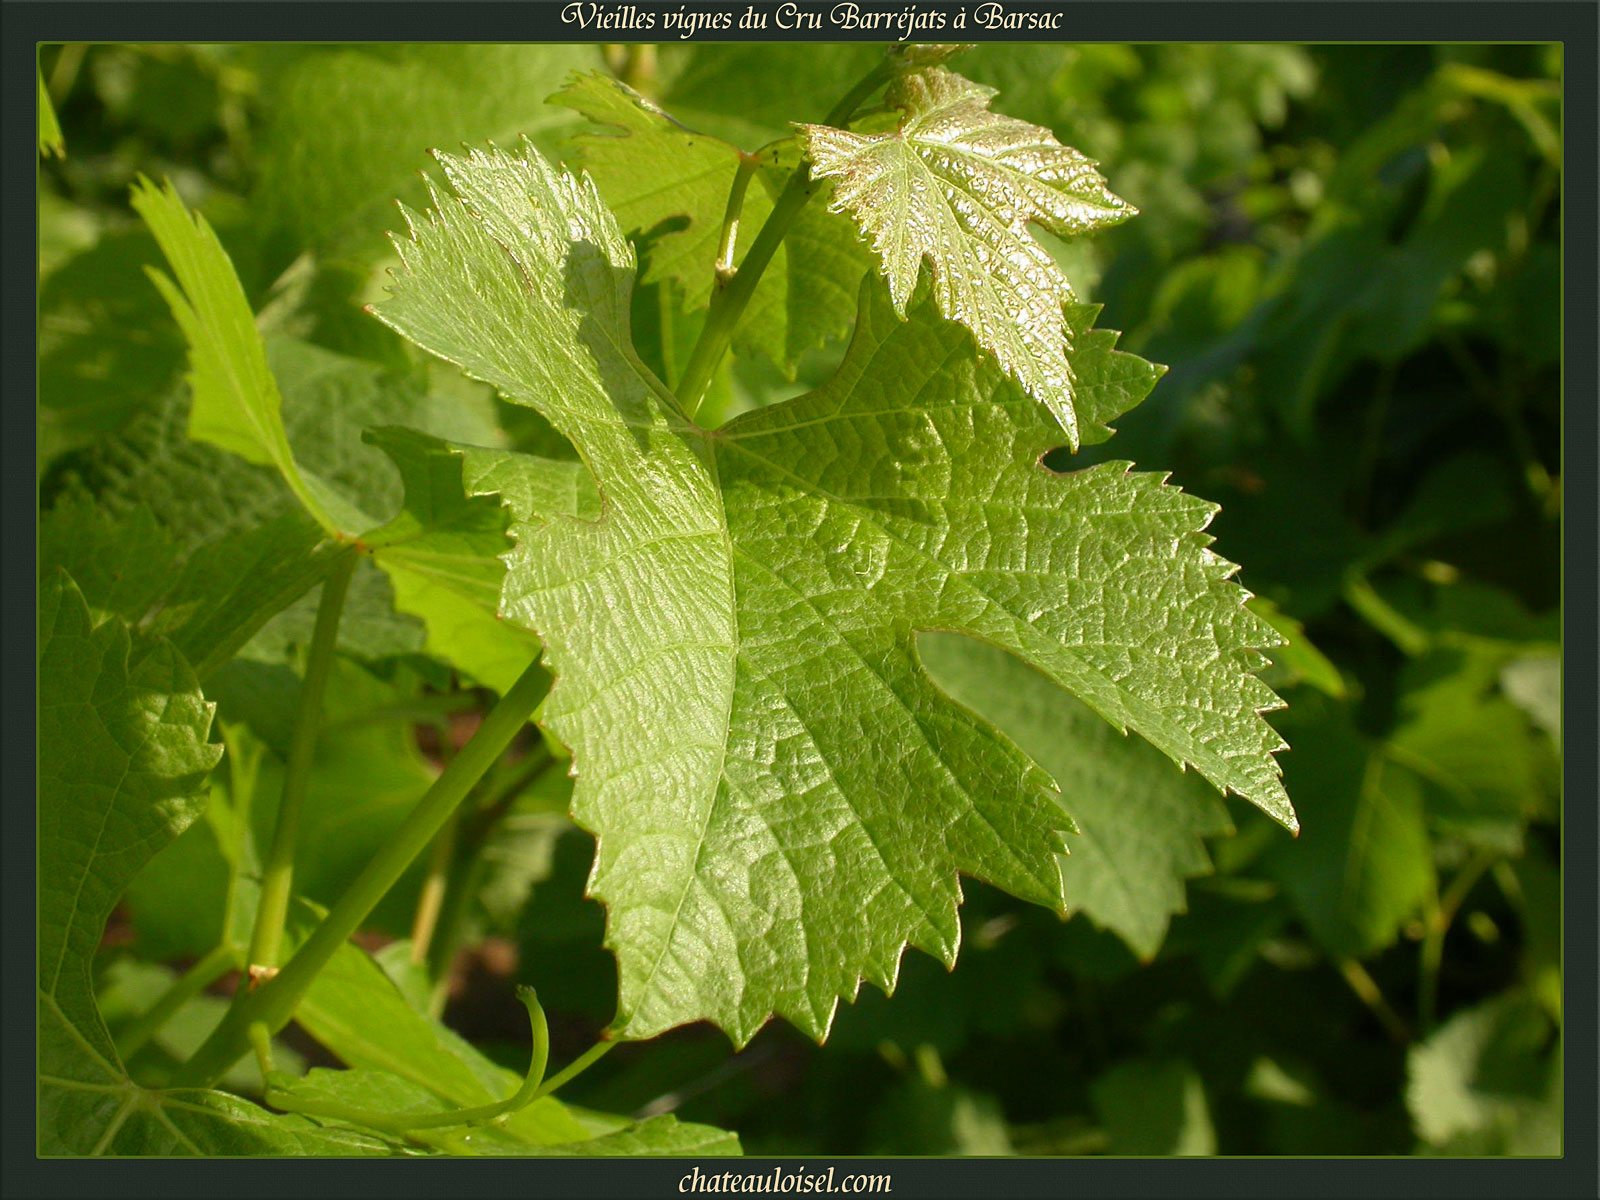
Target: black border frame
pixel 1576 23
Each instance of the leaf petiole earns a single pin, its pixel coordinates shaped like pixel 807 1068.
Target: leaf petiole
pixel 261 1042
pixel 575 1068
pixel 728 242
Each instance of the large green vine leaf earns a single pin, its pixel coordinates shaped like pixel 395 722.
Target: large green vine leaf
pixel 783 799
pixel 957 184
pixel 123 758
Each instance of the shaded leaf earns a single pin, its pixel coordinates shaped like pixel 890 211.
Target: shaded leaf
pixel 50 140
pixel 1155 1107
pixel 1363 864
pixel 1140 821
pixel 1470 746
pixel 1489 1081
pixel 657 175
pixel 918 1118
pixel 323 181
pixel 442 553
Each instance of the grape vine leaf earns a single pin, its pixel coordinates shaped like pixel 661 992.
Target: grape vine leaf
pixel 367 774
pixel 1368 866
pixel 1468 745
pixel 428 550
pixel 957 184
pixel 209 604
pixel 123 756
pixel 236 401
pixel 121 566
pixel 655 174
pixel 726 88
pixel 783 800
pixel 1489 1081
pixel 1155 1107
pixel 361 1016
pixel 1141 822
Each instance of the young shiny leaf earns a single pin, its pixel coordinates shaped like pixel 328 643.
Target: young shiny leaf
pixel 958 185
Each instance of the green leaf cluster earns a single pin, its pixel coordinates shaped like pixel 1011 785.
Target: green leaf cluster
pixel 807 611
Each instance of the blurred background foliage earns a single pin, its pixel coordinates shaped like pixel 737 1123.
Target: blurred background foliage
pixel 1350 258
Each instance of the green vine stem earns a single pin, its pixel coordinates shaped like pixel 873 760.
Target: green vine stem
pixel 403 1123
pixel 244 770
pixel 277 876
pixel 576 1067
pixel 728 303
pixel 186 987
pixel 274 1002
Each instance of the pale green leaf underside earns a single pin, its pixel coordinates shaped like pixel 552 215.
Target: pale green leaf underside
pixel 783 799
pixel 958 185
pixel 123 757
pixel 356 1012
pixel 379 1091
pixel 402 1061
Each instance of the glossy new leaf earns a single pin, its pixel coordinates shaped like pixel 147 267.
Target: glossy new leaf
pixel 958 185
